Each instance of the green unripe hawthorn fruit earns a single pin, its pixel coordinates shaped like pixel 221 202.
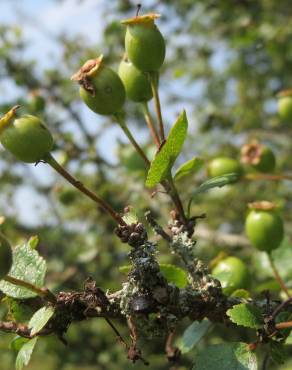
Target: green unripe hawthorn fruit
pixel 285 105
pixel 232 273
pixel 260 157
pixel 136 82
pixel 5 257
pixel 222 165
pixel 27 137
pixel 101 88
pixel 144 44
pixel 264 227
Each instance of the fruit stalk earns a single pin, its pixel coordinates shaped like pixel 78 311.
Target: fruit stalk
pixel 42 292
pixel 78 185
pixel 278 277
pixel 121 122
pixel 171 189
pixel 153 76
pixel 150 124
pixel 262 176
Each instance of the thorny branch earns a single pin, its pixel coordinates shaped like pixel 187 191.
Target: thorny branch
pixel 147 292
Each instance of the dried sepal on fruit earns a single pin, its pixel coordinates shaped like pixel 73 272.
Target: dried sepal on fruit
pixel 101 88
pixel 26 137
pixel 144 43
pixel 259 156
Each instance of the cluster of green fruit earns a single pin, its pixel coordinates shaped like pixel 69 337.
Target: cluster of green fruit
pixel 265 230
pixel 263 226
pixel 102 89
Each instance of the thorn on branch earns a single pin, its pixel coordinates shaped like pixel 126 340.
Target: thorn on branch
pixel 134 353
pixel 157 228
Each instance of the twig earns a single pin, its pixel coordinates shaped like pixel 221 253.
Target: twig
pixel 278 277
pixel 14 327
pixel 154 85
pixel 131 138
pixel 157 228
pixel 121 339
pixel 42 292
pixel 283 325
pixel 173 353
pixel 279 308
pixel 176 198
pixel 78 185
pixel 262 176
pixel 150 124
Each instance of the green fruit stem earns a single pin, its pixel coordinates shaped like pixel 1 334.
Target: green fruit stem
pixel 168 185
pixel 42 292
pixel 150 124
pixel 171 189
pixel 153 76
pixel 120 120
pixel 83 189
pixel 277 276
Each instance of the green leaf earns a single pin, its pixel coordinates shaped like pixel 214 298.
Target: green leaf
pixel 20 311
pixel 17 342
pixel 245 314
pixel 216 182
pixel 40 319
pixel 125 269
pixel 25 353
pixel 172 274
pixel 228 356
pixel 27 265
pixel 193 334
pixel 189 168
pixel 241 293
pixel 130 217
pixel 165 158
pixel 278 352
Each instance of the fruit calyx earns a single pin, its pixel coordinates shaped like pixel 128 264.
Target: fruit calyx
pixel 146 19
pixel 263 205
pixel 251 153
pixel 8 117
pixel 86 72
